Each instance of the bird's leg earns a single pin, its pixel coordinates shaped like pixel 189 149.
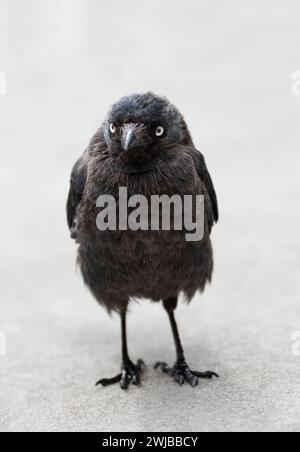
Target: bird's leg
pixel 180 371
pixel 130 372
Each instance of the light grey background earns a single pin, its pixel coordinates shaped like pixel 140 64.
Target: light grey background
pixel 227 65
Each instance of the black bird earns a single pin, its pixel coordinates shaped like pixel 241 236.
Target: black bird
pixel 143 144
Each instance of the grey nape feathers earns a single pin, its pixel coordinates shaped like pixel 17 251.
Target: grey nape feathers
pixel 144 145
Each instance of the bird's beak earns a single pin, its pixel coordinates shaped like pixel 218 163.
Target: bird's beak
pixel 129 140
pixel 130 137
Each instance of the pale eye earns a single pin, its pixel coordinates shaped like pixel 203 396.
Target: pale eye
pixel 159 131
pixel 112 128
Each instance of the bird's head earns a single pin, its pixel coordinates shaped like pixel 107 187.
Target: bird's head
pixel 140 128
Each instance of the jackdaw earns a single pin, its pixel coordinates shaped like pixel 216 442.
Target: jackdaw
pixel 144 145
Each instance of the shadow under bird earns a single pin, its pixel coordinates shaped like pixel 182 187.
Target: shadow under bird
pixel 144 145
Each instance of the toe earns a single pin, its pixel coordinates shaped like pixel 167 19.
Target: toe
pixel 180 379
pixel 190 377
pixel 125 380
pixel 163 366
pixel 136 379
pixel 207 375
pixel 194 382
pixel 141 365
pixel 109 381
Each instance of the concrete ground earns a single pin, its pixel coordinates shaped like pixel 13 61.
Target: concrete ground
pixel 228 66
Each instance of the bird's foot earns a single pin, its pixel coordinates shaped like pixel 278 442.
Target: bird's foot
pixel 130 373
pixel 181 372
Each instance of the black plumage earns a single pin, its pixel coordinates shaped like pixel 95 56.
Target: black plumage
pixel 143 144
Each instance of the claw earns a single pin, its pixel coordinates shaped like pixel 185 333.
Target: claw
pixel 195 381
pixel 136 380
pixel 181 373
pixel 158 364
pixel 130 374
pixel 179 379
pixel 163 367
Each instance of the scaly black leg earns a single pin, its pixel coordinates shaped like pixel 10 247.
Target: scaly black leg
pixel 130 372
pixel 180 371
